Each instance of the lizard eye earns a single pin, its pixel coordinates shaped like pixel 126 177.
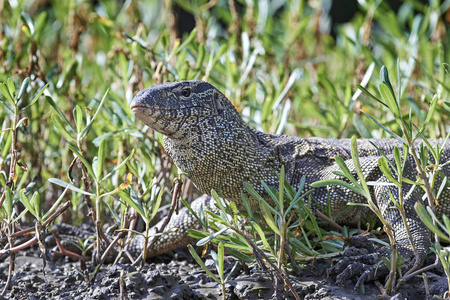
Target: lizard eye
pixel 186 92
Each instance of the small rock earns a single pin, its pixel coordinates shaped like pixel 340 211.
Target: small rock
pixel 70 279
pixel 133 281
pixel 397 297
pixel 158 290
pixel 151 277
pixel 190 278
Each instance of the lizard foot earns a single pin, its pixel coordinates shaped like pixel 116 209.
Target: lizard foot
pixel 360 260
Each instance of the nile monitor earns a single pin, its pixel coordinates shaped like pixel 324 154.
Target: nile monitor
pixel 208 140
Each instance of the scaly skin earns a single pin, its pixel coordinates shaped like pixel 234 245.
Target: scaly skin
pixel 208 140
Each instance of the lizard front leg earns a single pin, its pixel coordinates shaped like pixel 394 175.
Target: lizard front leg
pixel 176 230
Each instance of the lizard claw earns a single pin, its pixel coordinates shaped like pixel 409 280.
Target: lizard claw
pixel 362 263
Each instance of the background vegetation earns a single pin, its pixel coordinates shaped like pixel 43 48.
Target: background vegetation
pixel 284 64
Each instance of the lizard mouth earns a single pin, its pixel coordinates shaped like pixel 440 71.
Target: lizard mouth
pixel 138 107
pixel 135 107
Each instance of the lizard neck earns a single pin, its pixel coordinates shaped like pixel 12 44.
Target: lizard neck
pixel 221 155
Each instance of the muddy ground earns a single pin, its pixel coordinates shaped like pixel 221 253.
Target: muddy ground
pixel 177 276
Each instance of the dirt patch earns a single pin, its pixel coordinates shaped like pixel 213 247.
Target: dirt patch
pixel 179 277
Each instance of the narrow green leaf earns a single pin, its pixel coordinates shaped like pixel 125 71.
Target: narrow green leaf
pixel 272 193
pixel 136 206
pixel 384 168
pixel 429 148
pixel 40 21
pixel 281 190
pixel 8 204
pixel 249 188
pixel 432 109
pixel 426 219
pixel 338 173
pixel 389 98
pixel 11 87
pixel 23 88
pixel 5 91
pixel 262 235
pixel 157 204
pixel 37 203
pixel 56 204
pixel 200 57
pixel 295 75
pixel 268 217
pixel 393 199
pixel 300 187
pixel 405 154
pixel 78 116
pixel 409 181
pixel 28 21
pixel 357 165
pixel 6 140
pixel 304 249
pixel 441 188
pixel 200 262
pixel 215 258
pixel 69 186
pixel 209 238
pixel 101 158
pixel 218 201
pixel 358 204
pixel 386 262
pixel 3 178
pixel 6 105
pixel 398 161
pixel 27 203
pixel 60 114
pixel 344 184
pixel 187 41
pixel 247 205
pixel 294 203
pixel 399 81
pixel 343 166
pixel 221 258
pixel 370 95
pixel 196 216
pixel 36 98
pixel 240 257
pixel 384 128
pixel 197 234
pixel 122 131
pixel 447 224
pixel 384 76
pixel 61 128
pixel 88 126
pixel 95 166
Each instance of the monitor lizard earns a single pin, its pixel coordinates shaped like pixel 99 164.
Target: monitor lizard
pixel 209 141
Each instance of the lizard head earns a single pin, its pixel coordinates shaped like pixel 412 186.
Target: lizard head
pixel 174 108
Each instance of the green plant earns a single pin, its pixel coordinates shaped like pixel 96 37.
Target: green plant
pixel 428 217
pixel 273 236
pixel 219 262
pixel 427 169
pixel 362 188
pixel 146 210
pixel 90 171
pixel 15 107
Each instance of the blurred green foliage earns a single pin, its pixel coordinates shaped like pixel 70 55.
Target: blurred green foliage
pixel 275 60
